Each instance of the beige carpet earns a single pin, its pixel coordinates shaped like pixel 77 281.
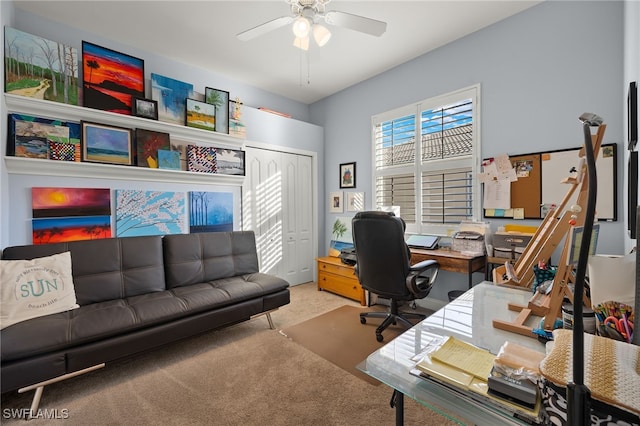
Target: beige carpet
pixel 246 374
pixel 339 337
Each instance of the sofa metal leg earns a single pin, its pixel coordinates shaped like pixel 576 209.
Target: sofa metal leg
pixel 268 315
pixel 39 387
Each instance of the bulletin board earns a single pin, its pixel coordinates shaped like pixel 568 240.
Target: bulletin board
pixel 539 183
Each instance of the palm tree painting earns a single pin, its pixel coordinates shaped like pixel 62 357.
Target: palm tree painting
pixel 111 79
pixel 220 100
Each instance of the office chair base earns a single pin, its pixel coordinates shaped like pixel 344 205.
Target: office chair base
pixel 390 318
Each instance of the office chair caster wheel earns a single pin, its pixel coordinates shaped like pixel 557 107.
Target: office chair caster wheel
pixel 379 337
pixel 363 320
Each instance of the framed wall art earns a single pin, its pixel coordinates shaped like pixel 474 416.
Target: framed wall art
pixel 171 95
pixel 59 139
pixel 355 201
pixel 348 175
pixel 110 79
pixel 31 72
pixel 201 159
pixel 220 100
pixel 335 202
pixel 145 108
pixel 200 115
pixel 106 144
pixel 230 161
pixel 148 143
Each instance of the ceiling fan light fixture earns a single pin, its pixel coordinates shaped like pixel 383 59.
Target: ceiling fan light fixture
pixel 301 43
pixel 301 27
pixel 321 34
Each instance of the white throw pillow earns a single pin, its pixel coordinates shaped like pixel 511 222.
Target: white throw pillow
pixel 33 288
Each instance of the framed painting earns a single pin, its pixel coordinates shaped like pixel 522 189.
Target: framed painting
pixel 145 108
pixel 220 100
pixel 39 68
pixel 355 201
pixel 171 96
pixel 110 79
pixel 201 159
pixel 230 161
pixel 148 143
pixel 62 138
pixel 200 115
pixel 348 175
pixel 106 144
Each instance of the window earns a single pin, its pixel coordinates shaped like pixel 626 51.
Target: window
pixel 433 182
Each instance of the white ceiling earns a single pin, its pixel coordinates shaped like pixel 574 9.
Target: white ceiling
pixel 203 34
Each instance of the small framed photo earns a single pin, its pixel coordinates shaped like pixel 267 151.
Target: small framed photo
pixel 200 115
pixel 102 143
pixel 348 175
pixel 335 202
pixel 146 108
pixel 220 100
pixel 355 201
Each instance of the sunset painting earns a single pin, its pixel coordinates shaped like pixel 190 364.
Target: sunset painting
pixel 61 202
pixel 110 79
pixel 57 230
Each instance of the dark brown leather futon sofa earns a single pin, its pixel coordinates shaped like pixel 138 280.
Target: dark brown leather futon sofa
pixel 135 294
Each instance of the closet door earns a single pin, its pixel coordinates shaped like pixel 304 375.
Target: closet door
pixel 278 207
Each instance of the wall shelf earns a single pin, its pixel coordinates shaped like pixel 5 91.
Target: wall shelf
pixel 59 111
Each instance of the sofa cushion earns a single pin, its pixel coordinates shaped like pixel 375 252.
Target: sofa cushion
pixel 36 287
pixel 106 269
pixel 196 258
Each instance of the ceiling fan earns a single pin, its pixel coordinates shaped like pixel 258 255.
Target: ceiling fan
pixel 307 18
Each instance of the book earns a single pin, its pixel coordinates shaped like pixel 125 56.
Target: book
pixel 465 357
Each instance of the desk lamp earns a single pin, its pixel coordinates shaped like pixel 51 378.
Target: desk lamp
pixel 578 395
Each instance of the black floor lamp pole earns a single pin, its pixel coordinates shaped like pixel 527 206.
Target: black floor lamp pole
pixel 578 394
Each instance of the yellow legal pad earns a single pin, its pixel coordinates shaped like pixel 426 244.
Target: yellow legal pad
pixel 466 357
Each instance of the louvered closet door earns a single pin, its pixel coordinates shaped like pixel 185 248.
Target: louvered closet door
pixel 277 206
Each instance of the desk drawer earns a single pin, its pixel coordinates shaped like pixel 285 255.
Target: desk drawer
pixel 345 271
pixel 347 287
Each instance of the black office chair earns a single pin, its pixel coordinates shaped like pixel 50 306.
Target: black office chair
pixel 383 266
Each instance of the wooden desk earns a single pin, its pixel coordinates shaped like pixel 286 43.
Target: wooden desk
pixel 451 260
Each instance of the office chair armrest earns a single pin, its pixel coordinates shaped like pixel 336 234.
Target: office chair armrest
pixel 417 270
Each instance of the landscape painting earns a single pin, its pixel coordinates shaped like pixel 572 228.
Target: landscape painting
pixel 172 98
pixel 200 115
pixel 107 144
pixel 39 68
pixel 210 211
pixel 220 100
pixel 61 202
pixel 63 229
pixel 149 213
pixel 110 79
pixel 230 161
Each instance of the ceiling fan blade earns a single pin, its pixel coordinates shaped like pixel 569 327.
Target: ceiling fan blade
pixel 356 22
pixel 265 28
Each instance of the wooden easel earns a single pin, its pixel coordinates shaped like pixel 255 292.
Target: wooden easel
pixel 540 248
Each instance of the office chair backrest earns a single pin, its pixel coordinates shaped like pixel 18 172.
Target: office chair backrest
pixel 382 253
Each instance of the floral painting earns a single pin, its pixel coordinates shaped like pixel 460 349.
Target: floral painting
pixel 149 213
pixel 148 142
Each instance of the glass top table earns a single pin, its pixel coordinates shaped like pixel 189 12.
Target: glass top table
pixel 468 318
